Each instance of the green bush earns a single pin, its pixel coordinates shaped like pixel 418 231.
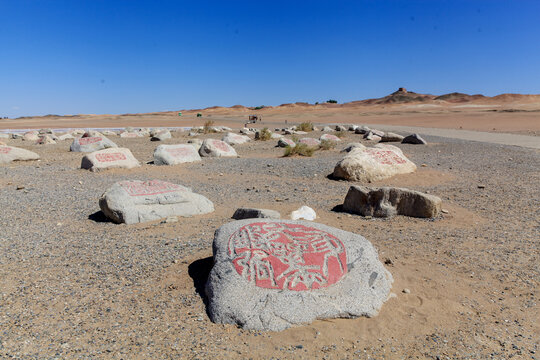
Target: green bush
pixel 199 115
pixel 331 101
pixel 258 107
pixel 264 135
pixel 305 126
pixel 207 127
pixel 300 149
pixel 327 144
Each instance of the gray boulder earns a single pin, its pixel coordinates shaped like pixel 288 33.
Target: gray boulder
pixel 250 213
pixel 91 143
pixel 391 137
pixel 390 201
pixel 235 139
pixel 327 129
pixel 216 148
pixel 310 142
pixel 340 128
pixel 138 201
pixel 414 139
pixel 284 142
pixel 161 135
pixel 352 146
pixel 274 274
pixel 362 130
pixel 175 154
pixel 12 153
pixel 109 159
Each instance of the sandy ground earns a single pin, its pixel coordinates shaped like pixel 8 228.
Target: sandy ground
pixel 73 285
pixel 500 117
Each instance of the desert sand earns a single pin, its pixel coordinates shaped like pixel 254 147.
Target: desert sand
pixel 75 285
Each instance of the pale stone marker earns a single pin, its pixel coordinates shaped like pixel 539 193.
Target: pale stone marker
pixel 91 143
pixel 216 148
pixel 137 201
pixel 11 153
pixel 108 159
pixel 175 154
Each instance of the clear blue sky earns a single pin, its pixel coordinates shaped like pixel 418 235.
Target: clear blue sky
pixel 75 56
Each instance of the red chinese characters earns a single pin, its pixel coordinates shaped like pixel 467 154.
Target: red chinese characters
pixel 386 157
pixel 180 151
pixel 147 188
pixel 89 140
pixel 287 256
pixel 110 157
pixel 221 145
pixel 5 149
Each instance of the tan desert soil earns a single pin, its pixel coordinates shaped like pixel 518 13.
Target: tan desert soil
pixel 74 285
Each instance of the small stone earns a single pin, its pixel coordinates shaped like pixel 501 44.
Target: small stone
pixel 406 291
pixel 20 187
pixel 170 219
pixel 481 186
pixel 444 211
pixel 424 165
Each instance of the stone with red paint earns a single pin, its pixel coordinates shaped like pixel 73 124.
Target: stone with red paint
pixel 373 164
pixel 310 142
pixel 175 154
pixel 108 159
pixel 135 201
pixel 329 137
pixel 235 139
pixel 216 148
pixel 9 154
pixel 91 143
pixel 274 274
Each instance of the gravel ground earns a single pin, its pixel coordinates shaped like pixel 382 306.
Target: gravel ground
pixel 73 285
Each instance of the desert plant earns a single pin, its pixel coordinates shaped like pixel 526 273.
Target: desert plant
pixel 300 149
pixel 263 135
pixel 305 126
pixel 199 115
pixel 339 134
pixel 258 107
pixel 327 144
pixel 207 127
pixel 331 101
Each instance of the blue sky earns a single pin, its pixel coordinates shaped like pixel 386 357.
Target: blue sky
pixel 74 56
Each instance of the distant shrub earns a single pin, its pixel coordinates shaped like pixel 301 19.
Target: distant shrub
pixel 199 115
pixel 305 126
pixel 316 103
pixel 327 144
pixel 331 101
pixel 258 107
pixel 264 135
pixel 300 149
pixel 207 127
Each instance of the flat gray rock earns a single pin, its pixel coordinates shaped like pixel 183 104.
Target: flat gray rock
pixel 274 274
pixel 91 143
pixel 175 154
pixel 138 201
pixel 161 135
pixel 414 139
pixel 391 137
pixel 390 201
pixel 250 213
pixel 12 153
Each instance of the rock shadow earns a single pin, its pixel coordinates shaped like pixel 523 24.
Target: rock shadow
pixel 199 270
pixel 338 208
pixel 99 217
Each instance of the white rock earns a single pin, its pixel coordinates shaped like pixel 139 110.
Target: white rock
pixel 108 159
pixel 11 153
pixel 91 143
pixel 235 139
pixel 310 142
pixel 372 164
pixel 216 148
pixel 304 212
pixel 140 201
pixel 175 154
pixel 329 137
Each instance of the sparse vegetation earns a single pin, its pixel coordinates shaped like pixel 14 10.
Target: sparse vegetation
pixel 339 134
pixel 300 149
pixel 327 144
pixel 305 126
pixel 258 107
pixel 207 127
pixel 264 135
pixel 331 101
pixel 316 103
pixel 199 115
